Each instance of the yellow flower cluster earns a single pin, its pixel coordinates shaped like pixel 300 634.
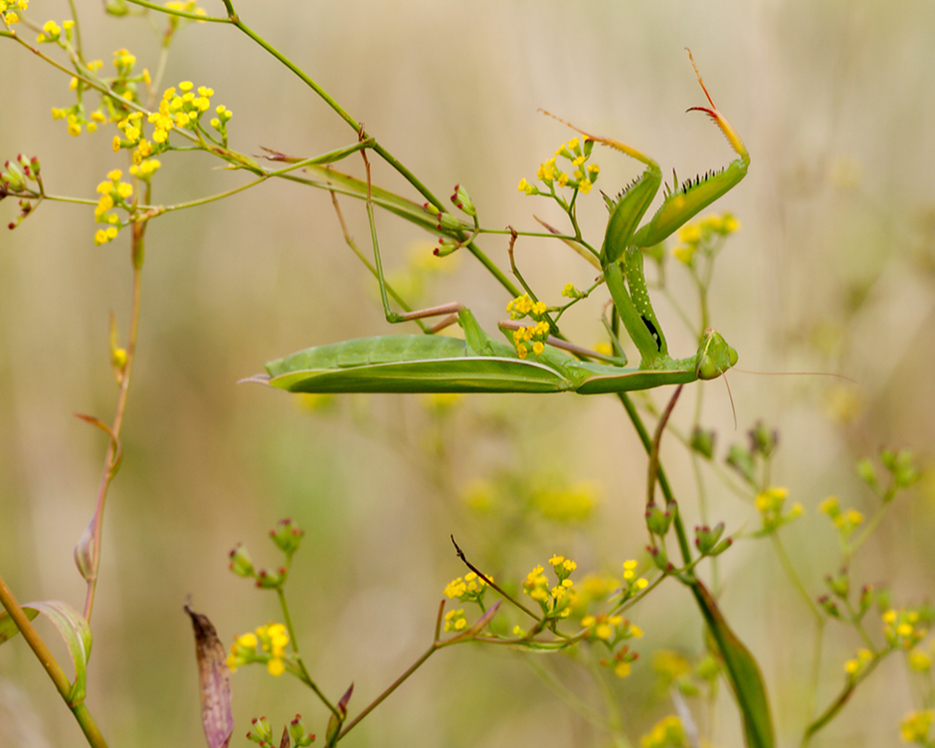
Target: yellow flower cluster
pixel 901 630
pixel 582 176
pixel 529 338
pixel 770 504
pixel 524 306
pixel 124 60
pixel 114 193
pixel 703 234
pixel 267 644
pixel 557 600
pixel 561 503
pixel 179 107
pixel 667 732
pixel 857 665
pixel 620 662
pixel 915 727
pixel 845 521
pixel 8 9
pixel 536 585
pixel 631 581
pixel 75 119
pixel 52 32
pixel 920 661
pixel 602 626
pixel 469 588
pixel 455 620
pixel 145 169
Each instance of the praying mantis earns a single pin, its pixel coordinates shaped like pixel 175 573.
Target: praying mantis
pixel 478 363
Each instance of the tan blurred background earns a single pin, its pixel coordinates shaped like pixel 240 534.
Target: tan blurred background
pixel 833 271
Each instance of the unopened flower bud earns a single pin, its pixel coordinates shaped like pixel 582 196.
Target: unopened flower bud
pixel 703 442
pixel 262 732
pixel 240 562
pixel 462 201
pixel 706 539
pixel 657 520
pixel 287 536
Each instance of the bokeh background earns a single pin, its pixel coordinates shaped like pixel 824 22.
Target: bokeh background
pixel 833 271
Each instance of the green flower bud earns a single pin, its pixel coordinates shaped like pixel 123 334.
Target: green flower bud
pixel 762 440
pixel 867 472
pixel 659 558
pixel 657 520
pixel 462 201
pixel 900 465
pixel 240 562
pixel 840 584
pixel 446 247
pixel 703 442
pixel 742 461
pixel 300 738
pixel 706 538
pixel 267 581
pixel 287 536
pixel 262 732
pixel 829 606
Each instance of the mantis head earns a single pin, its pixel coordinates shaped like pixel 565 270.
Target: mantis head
pixel 714 357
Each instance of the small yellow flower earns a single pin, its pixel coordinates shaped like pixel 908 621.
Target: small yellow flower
pixel 690 233
pixel 915 726
pixel 455 620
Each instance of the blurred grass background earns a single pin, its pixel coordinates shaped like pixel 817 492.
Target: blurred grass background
pixel 833 271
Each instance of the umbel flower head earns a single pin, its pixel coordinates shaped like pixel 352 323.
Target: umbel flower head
pixel 267 645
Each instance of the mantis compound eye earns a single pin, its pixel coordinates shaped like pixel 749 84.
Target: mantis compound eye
pixel 715 356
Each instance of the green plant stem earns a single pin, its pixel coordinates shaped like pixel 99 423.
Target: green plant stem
pixel 793 576
pixel 568 695
pixel 180 13
pixel 379 149
pixel 110 460
pixel 38 646
pixel 866 531
pixel 659 472
pixel 436 645
pixel 740 668
pixel 306 677
pixel 838 703
pixel 77 27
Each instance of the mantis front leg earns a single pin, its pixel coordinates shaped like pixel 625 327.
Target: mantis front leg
pixel 621 254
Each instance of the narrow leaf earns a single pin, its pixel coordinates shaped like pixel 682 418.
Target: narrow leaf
pixel 742 673
pixel 214 676
pixel 72 627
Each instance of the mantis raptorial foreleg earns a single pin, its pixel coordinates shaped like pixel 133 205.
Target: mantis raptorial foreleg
pixel 621 257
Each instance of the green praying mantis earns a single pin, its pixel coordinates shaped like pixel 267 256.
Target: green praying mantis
pixel 478 363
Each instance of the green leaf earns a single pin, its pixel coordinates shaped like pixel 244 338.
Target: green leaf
pixel 8 628
pixel 742 673
pixel 74 630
